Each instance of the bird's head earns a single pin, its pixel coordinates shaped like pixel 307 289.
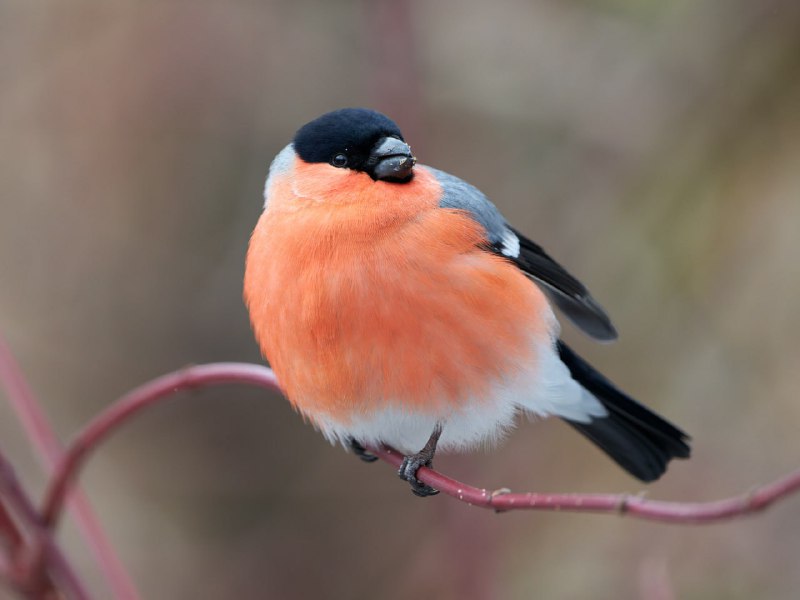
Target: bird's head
pixel 358 139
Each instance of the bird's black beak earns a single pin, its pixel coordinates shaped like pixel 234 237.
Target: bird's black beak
pixel 391 160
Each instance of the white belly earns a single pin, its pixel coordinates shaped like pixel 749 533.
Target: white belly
pixel 543 389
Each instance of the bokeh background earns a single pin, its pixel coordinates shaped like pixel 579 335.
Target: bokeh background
pixel 652 147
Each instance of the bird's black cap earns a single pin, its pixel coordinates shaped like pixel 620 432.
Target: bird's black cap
pixel 349 131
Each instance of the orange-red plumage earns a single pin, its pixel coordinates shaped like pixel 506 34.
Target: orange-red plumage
pixel 363 293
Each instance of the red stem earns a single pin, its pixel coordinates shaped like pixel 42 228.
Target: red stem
pixel 44 569
pixel 49 450
pixel 8 529
pixel 134 402
pixel 218 373
pixel 655 510
pixel 13 542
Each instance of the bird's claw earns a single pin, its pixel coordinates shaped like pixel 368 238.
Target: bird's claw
pixel 408 472
pixel 361 452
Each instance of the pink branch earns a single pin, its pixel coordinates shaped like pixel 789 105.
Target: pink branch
pixel 655 510
pixel 134 402
pixel 13 542
pixel 44 568
pixel 8 529
pixel 49 450
pixel 218 373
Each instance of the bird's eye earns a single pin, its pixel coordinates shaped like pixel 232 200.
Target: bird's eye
pixel 340 160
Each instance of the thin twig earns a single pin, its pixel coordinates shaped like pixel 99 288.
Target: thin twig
pixel 213 374
pixel 134 402
pixel 49 451
pixel 622 504
pixel 45 568
pixel 12 542
pixel 9 530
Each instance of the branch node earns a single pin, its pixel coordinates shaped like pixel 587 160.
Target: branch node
pixel 496 493
pixel 500 492
pixel 622 504
pixel 752 501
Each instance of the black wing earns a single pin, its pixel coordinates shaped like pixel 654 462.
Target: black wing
pixel 569 294
pixel 563 289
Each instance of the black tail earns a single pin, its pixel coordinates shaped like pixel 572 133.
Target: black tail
pixel 638 439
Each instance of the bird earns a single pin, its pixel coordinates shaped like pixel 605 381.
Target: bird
pixel 398 307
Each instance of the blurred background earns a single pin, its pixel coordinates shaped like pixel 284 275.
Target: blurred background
pixel 651 147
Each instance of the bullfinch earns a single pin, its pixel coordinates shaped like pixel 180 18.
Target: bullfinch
pixel 397 306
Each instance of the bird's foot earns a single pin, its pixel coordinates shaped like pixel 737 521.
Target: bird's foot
pixel 361 452
pixel 423 458
pixel 408 472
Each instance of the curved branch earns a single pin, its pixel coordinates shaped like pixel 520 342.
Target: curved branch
pixel 131 404
pixel 44 440
pixel 502 500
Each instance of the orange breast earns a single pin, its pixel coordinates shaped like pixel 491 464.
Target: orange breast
pixel 364 293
